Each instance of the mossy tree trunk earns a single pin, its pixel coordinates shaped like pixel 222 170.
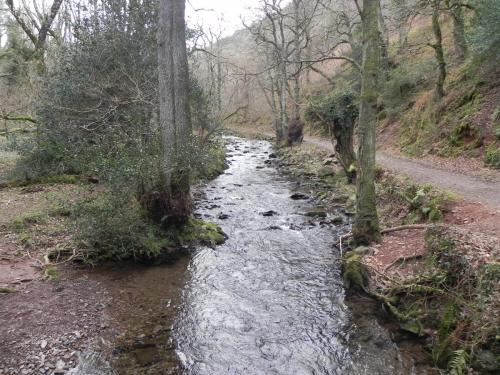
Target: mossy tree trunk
pixel 344 147
pixel 366 223
pixel 172 204
pixel 438 48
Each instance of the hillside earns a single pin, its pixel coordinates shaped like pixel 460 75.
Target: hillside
pixel 464 126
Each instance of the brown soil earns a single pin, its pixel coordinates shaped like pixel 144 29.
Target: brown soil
pixel 402 254
pixel 118 310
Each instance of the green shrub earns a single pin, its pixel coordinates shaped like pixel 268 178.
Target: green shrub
pixel 113 227
pixel 492 156
pixel 485 28
pixel 495 121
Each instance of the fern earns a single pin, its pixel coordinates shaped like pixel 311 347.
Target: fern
pixel 458 362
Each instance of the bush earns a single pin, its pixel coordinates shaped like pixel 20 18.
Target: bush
pixel 492 156
pixel 495 122
pixel 485 33
pixel 396 91
pixel 112 227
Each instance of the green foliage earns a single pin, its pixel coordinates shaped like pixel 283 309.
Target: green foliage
pixel 396 91
pixel 203 232
pixel 210 160
pixel 336 110
pixel 458 362
pixel 25 220
pixel 418 203
pixel 51 273
pixel 485 29
pixel 42 180
pixel 14 58
pixel 353 271
pixel 492 156
pixel 112 227
pixel 465 135
pixel 495 121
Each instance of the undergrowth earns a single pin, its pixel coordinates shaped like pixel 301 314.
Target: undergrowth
pixel 451 304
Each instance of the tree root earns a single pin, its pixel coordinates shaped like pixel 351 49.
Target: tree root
pixel 403 260
pixel 405 227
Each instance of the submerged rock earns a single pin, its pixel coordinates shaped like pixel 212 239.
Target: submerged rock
pixel 269 213
pixel 299 196
pixel 315 213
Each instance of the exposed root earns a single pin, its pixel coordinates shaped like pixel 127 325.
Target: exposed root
pixel 403 260
pixel 405 227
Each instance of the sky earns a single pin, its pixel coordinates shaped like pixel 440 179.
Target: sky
pixel 208 13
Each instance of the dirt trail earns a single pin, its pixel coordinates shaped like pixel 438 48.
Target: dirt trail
pixel 470 188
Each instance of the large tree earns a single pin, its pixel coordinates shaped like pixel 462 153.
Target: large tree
pixel 174 201
pixel 366 224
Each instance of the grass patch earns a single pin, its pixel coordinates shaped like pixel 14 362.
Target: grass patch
pixel 26 220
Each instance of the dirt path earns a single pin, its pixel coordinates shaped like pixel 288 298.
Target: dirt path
pixel 470 188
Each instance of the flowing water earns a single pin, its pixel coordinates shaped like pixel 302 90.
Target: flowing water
pixel 270 300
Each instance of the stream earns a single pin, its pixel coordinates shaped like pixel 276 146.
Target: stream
pixel 270 300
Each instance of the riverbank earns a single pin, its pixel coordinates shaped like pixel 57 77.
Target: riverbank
pixel 65 317
pixel 432 282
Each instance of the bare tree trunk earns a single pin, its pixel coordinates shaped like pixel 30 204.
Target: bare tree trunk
pixel 298 58
pixel 384 43
pixel 459 41
pixel 366 224
pixel 438 49
pixel 38 35
pixel 283 101
pixel 172 205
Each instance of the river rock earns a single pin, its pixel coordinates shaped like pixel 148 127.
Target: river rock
pixel 223 216
pixel 315 213
pixel 486 360
pixel 269 213
pixel 299 196
pixel 337 220
pixel 326 171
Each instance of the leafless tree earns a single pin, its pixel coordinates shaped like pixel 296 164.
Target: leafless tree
pixel 35 22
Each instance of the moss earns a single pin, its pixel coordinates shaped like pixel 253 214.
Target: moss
pixel 5 290
pixel 52 273
pixel 199 231
pixel 353 271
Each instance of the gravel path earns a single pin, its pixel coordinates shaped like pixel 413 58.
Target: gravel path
pixel 469 187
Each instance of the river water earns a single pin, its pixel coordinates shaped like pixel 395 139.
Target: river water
pixel 270 300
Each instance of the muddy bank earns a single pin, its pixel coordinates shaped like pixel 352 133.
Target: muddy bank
pixel 121 314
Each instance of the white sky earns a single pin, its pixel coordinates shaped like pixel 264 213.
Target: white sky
pixel 209 12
